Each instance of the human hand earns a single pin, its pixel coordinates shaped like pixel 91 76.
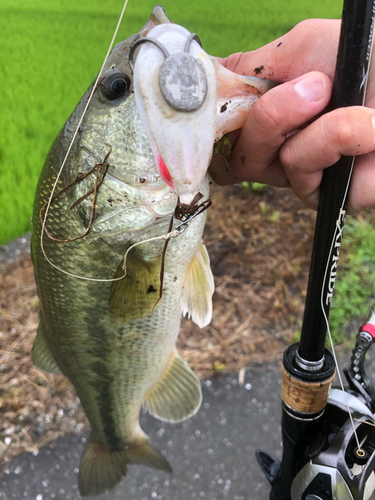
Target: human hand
pixel 286 140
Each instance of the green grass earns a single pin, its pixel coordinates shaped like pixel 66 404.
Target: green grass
pixel 354 291
pixel 52 49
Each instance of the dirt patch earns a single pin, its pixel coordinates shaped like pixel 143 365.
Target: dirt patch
pixel 259 245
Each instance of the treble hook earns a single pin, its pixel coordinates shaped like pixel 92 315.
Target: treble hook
pixel 189 217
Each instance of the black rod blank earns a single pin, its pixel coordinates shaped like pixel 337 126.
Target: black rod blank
pixel 348 90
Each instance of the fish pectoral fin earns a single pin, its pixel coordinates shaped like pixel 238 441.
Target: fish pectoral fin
pixel 177 395
pixel 196 300
pixel 41 356
pixel 102 469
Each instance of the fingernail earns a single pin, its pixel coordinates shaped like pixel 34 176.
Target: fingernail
pixel 310 87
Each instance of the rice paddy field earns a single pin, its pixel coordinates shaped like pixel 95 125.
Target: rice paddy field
pixel 51 51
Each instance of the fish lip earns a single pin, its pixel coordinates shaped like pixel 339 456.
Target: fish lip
pixel 156 219
pixel 132 234
pixel 146 184
pixel 159 219
pixel 135 179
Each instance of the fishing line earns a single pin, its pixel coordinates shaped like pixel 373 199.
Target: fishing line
pixel 75 135
pixel 365 81
pixel 324 313
pixel 167 237
pixel 364 422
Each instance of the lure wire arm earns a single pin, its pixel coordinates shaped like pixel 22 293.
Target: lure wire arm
pixel 192 36
pixel 179 69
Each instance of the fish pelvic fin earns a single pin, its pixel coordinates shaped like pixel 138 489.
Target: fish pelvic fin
pixel 102 469
pixel 177 396
pixel 42 357
pixel 196 299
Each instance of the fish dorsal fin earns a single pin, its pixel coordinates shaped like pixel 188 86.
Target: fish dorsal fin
pixel 102 469
pixel 135 296
pixel 42 357
pixel 196 300
pixel 177 395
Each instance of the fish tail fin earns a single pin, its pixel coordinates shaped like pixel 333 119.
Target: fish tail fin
pixel 102 469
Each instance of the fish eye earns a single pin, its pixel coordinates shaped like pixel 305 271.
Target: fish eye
pixel 115 85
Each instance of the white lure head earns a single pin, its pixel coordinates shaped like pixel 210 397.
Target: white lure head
pixel 181 93
pixel 175 92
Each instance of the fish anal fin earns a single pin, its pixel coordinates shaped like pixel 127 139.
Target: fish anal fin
pixel 177 396
pixel 42 357
pixel 145 454
pixel 135 296
pixel 196 299
pixel 102 469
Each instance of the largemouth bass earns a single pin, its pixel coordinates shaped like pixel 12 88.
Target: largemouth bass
pixel 115 340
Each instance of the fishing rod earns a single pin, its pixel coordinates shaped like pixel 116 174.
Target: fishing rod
pixel 328 448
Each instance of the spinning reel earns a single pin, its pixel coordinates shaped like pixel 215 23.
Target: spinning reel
pixel 341 470
pixel 336 468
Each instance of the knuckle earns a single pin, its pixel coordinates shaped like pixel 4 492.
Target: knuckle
pixel 287 157
pixel 310 26
pixel 267 115
pixel 341 129
pixel 233 61
pixel 304 26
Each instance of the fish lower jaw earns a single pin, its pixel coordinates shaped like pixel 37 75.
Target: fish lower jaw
pixel 187 198
pixel 126 236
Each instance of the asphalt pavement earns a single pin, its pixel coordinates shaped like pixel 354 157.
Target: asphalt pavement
pixel 212 454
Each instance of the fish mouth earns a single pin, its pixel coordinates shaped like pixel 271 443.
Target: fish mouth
pixel 123 178
pixel 127 204
pixel 127 235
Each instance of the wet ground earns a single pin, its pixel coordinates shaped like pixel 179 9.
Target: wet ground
pixel 212 454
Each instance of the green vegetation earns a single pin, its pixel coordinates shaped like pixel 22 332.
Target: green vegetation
pixel 52 49
pixel 255 187
pixel 354 291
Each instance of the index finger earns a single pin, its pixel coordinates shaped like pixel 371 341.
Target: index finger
pixel 310 46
